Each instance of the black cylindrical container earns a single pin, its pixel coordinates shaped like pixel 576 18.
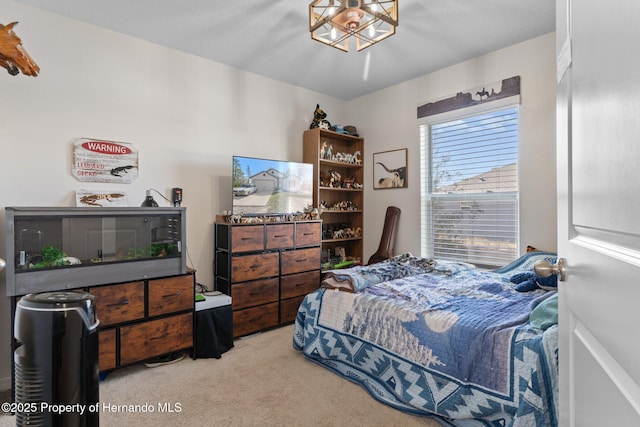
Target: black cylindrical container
pixel 56 363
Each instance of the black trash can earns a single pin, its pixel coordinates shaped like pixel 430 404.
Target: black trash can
pixel 56 363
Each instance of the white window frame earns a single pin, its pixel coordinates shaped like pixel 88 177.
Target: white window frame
pixel 425 165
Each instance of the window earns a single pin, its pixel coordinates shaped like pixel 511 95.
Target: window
pixel 470 188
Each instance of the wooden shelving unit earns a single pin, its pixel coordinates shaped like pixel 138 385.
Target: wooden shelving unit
pixel 340 200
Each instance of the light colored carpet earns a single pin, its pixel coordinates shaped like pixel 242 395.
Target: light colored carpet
pixel 262 381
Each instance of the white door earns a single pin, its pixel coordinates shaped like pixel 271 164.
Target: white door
pixel 598 131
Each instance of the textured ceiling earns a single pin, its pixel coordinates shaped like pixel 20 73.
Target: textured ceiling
pixel 271 37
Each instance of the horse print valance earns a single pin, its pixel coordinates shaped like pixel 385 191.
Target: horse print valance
pixel 479 95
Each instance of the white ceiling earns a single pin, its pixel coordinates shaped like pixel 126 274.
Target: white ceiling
pixel 271 37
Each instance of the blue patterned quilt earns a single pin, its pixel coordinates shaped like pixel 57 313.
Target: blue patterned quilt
pixel 455 343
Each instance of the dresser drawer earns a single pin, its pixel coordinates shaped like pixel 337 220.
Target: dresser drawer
pixel 170 295
pixel 298 284
pixel 106 349
pixel 255 319
pixel 308 234
pixel 251 267
pixel 300 260
pixel 247 238
pixel 156 337
pixel 256 292
pixel 279 236
pixel 119 303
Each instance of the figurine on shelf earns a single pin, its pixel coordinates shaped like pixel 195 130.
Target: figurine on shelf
pixel 327 154
pixel 319 119
pixel 336 178
pixel 348 182
pixel 356 158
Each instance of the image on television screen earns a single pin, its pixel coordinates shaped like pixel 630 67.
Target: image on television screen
pixel 269 187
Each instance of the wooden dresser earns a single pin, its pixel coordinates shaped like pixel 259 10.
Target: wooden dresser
pixel 143 319
pixel 267 269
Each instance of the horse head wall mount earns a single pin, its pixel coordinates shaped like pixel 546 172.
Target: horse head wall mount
pixel 13 56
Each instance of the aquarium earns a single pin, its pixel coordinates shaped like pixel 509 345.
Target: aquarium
pixel 65 248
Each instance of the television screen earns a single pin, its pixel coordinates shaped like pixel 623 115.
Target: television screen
pixel 270 187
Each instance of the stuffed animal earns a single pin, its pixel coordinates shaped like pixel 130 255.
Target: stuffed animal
pixel 529 281
pixel 319 119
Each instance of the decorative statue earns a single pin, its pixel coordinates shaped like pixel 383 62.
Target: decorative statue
pixel 13 56
pixel 319 119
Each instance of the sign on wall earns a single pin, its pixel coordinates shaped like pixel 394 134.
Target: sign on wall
pixel 101 198
pixel 96 160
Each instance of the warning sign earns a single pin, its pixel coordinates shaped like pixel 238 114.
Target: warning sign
pixel 96 160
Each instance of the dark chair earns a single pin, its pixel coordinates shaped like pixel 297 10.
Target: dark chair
pixel 387 241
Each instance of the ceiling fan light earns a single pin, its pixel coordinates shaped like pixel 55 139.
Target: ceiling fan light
pixel 334 22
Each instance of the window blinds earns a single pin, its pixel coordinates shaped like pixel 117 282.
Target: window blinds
pixel 471 203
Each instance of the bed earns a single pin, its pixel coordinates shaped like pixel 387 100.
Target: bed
pixel 439 339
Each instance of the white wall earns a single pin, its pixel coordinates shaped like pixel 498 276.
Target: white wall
pixel 187 116
pixel 388 120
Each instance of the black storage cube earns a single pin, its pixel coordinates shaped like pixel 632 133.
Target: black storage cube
pixel 214 332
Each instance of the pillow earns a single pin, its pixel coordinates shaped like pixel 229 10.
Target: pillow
pixel 548 283
pixel 527 281
pixel 525 262
pixel 545 314
pixel 362 276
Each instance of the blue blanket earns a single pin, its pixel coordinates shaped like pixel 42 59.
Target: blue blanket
pixel 360 277
pixel 457 345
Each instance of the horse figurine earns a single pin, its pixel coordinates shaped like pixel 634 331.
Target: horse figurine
pixel 482 94
pixel 13 56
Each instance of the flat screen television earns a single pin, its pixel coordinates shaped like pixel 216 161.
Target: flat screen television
pixel 271 187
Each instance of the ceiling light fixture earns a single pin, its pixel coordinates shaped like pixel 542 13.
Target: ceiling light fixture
pixel 333 22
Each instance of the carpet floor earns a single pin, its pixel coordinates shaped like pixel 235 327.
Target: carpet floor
pixel 262 381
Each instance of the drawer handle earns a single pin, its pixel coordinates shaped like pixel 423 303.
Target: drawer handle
pixel 122 302
pixel 177 294
pixel 308 234
pixel 277 236
pixel 302 260
pixel 166 334
pixel 245 238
